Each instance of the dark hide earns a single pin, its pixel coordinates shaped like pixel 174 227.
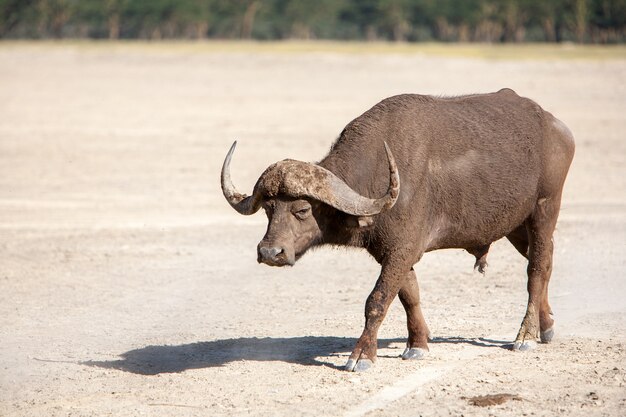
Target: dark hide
pixel 472 169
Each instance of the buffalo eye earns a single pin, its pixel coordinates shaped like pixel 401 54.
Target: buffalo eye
pixel 302 212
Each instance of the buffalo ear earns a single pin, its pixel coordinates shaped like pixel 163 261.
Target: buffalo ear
pixel 360 221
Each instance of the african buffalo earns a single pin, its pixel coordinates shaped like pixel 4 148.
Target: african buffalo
pixel 418 173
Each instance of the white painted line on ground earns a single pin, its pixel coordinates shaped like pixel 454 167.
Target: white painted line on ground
pixel 399 389
pixel 415 380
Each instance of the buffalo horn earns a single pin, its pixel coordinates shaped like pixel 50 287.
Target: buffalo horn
pixel 242 203
pixel 302 179
pixel 349 201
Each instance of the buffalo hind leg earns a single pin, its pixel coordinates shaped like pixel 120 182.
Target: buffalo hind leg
pixel 391 279
pixel 417 343
pixel 537 321
pixel 519 239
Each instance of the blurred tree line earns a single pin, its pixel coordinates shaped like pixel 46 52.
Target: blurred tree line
pixel 598 21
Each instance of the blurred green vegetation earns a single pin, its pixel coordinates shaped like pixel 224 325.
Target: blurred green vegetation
pixel 494 21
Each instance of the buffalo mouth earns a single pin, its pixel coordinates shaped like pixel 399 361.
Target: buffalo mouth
pixel 276 262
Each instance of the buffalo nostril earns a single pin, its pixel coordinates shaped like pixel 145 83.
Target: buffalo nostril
pixel 270 253
pixel 275 251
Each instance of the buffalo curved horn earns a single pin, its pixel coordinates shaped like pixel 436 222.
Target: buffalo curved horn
pixel 242 203
pixel 303 179
pixel 344 198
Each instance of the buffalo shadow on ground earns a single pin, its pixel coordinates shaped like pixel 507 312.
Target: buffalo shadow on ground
pixel 307 350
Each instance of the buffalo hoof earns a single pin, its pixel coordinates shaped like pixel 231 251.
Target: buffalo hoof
pixel 547 335
pixel 414 353
pixel 361 365
pixel 524 345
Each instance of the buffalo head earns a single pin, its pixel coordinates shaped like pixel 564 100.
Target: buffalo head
pixel 294 195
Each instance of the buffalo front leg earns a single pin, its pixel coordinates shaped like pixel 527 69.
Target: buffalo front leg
pixel 417 343
pixel 537 321
pixel 387 287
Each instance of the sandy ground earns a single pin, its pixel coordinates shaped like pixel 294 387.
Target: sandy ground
pixel 129 287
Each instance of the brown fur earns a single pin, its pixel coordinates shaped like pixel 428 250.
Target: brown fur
pixel 473 169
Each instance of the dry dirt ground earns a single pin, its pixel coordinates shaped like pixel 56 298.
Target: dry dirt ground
pixel 129 287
